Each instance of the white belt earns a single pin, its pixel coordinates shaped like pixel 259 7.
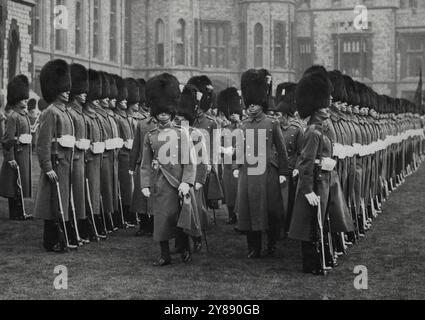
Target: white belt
pixel 83 144
pixel 25 139
pixel 98 147
pixel 66 141
pixel 129 144
pixel 110 144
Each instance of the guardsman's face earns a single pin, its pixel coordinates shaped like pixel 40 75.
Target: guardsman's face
pixel 164 117
pixel 64 96
pixel 235 117
pixel 123 104
pixel 23 104
pixel 254 109
pixel 81 98
pixel 113 103
pixel 179 119
pixel 135 107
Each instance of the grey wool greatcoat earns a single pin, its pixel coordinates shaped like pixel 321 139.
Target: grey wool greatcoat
pixel 78 183
pixel 17 124
pixel 163 177
pixel 259 199
pixel 93 161
pixel 55 122
pixel 125 132
pixel 107 165
pixel 139 203
pixel 317 145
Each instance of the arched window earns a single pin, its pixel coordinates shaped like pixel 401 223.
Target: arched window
pixel 14 54
pixel 279 45
pixel 180 42
pixel 159 42
pixel 258 45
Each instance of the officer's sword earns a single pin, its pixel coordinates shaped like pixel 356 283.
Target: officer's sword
pixel 120 204
pixel 322 242
pixel 103 215
pixel 19 183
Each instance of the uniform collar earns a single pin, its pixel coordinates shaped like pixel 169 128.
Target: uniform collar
pixel 169 125
pixel 60 105
pixel 75 105
pixel 200 116
pixel 21 111
pixel 319 117
pixel 259 117
pixel 121 112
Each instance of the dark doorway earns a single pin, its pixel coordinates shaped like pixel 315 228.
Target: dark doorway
pixel 14 55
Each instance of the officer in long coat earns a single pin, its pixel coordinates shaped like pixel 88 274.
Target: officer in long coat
pixel 208 125
pixel 186 112
pixel 55 146
pixel 293 132
pixel 16 142
pixel 163 179
pixel 128 95
pixel 93 158
pixel 79 89
pixel 315 166
pixel 230 105
pixel 139 203
pixel 260 203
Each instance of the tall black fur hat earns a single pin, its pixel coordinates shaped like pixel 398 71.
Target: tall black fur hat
pixel 106 90
pixel 339 92
pixel 142 90
pixel 133 91
pixel 163 94
pixel 18 89
pixel 313 92
pixel 79 79
pixel 204 85
pixel 122 91
pixel 351 90
pixel 55 78
pixel 255 86
pixel 95 86
pixel 188 103
pixel 113 93
pixel 286 102
pixel 229 102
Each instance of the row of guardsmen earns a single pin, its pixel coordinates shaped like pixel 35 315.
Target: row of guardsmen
pixel 334 151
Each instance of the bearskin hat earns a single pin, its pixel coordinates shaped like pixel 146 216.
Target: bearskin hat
pixel 106 90
pixel 339 92
pixel 79 79
pixel 133 91
pixel 163 94
pixel 113 94
pixel 122 91
pixel 55 78
pixel 351 90
pixel 95 86
pixel 188 102
pixel 18 89
pixel 204 85
pixel 229 102
pixel 142 90
pixel 255 86
pixel 313 92
pixel 286 102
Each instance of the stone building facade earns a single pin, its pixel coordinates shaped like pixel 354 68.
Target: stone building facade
pixel 220 38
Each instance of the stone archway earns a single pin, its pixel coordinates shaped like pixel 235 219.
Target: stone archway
pixel 14 50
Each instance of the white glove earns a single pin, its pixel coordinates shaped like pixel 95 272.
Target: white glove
pixel 236 174
pixel 184 189
pixel 313 199
pixel 295 173
pixel 209 168
pixel 198 186
pixel 146 192
pixel 131 173
pixel 282 179
pixel 13 164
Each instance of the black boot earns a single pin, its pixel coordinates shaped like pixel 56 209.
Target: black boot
pixel 165 258
pixel 254 244
pixel 232 216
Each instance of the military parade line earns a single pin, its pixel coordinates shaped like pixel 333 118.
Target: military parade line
pixel 331 150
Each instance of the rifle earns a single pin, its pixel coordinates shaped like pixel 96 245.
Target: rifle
pixel 26 216
pixel 91 209
pixel 120 206
pixel 322 242
pixel 63 217
pixel 74 216
pixel 103 215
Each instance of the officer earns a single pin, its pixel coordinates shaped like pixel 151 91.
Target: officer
pixel 15 174
pixel 208 125
pixel 230 105
pixel 55 146
pixel 166 180
pixel 260 202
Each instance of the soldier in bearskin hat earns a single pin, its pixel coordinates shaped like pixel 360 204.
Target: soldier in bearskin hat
pixel 260 201
pixel 144 109
pixel 167 180
pixel 93 158
pixel 186 113
pixel 208 125
pixel 55 146
pixel 293 132
pixel 230 105
pixel 15 173
pixel 79 89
